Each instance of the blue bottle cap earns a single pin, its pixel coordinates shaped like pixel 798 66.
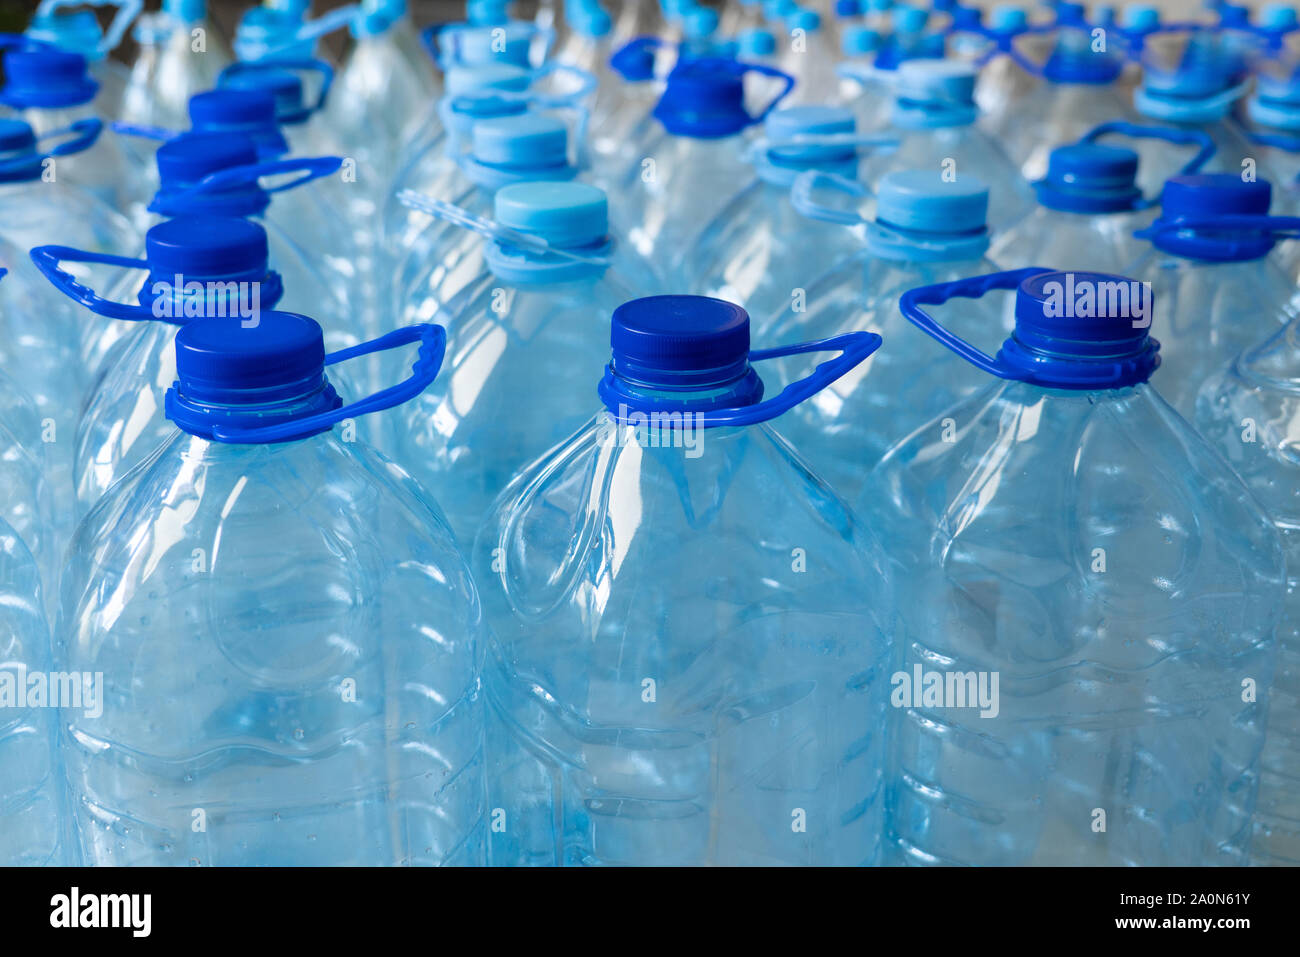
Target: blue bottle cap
pixel 703 98
pixel 565 214
pixel 76 31
pixel 486 76
pixel 589 20
pixel 804 19
pixel 1214 194
pixel 223 362
pixel 806 120
pixel 186 159
pixel 488 13
pixel 755 43
pixel 943 87
pixel 1007 19
pixel 845 9
pixel 527 140
pixel 207 247
pixel 1089 178
pixel 251 112
pixel 46 79
pixel 1081 329
pixel 634 62
pixel 966 18
pixel 22 162
pixel 187 11
pixel 700 22
pixel 263 31
pixel 284 85
pixel 1139 18
pixel 859 41
pixel 1234 15
pixel 908 19
pixel 922 200
pixel 1277 16
pixel 674 342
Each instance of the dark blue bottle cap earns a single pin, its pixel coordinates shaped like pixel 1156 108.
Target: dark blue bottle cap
pixel 1082 330
pixel 704 98
pixel 207 247
pixel 284 86
pixel 1087 178
pixel 230 362
pixel 46 79
pixel 1214 194
pixel 251 112
pixel 848 8
pixel 186 159
pixel 21 161
pixel 677 342
pixel 634 62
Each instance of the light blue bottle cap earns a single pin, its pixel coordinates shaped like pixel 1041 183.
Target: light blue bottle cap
pixel 589 20
pixel 486 76
pixel 527 140
pixel 284 85
pixel 700 22
pixel 923 201
pixel 564 214
pixel 46 79
pixel 778 9
pixel 909 19
pixel 859 41
pixel 487 13
pixel 1139 18
pixel 754 43
pixel 263 31
pixel 941 81
pixel 186 11
pixel 1277 16
pixel 796 120
pixel 803 19
pixel 1007 19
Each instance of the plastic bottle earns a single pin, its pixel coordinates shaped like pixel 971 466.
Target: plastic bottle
pixel 694 166
pixel 78 31
pixel 664 687
pixel 808 53
pixel 925 230
pixel 934 117
pixel 1065 531
pixel 1210 253
pixel 298 655
pixel 32 815
pixel 759 251
pixel 194 268
pixel 1089 204
pixel 1248 412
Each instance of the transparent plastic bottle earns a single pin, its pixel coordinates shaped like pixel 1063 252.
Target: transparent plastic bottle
pixel 1248 411
pixel 31 778
pixel 1089 204
pixel 1066 532
pixel 179 54
pixel 925 230
pixel 298 656
pixel 1210 253
pixel 760 250
pixel 517 331
pixel 934 117
pixel 194 268
pixel 664 687
pixel 694 165
pixel 78 31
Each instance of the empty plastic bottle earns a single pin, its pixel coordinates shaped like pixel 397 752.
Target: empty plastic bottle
pixel 1248 411
pixel 1210 253
pixel 78 31
pixel 298 655
pixel 664 686
pixel 934 117
pixel 53 90
pixel 695 165
pixel 439 259
pixel 1089 204
pixel 178 55
pixel 621 123
pixel 925 230
pixel 194 268
pixel 1065 534
pixel 808 52
pixel 31 778
pixel 534 314
pixel 760 251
